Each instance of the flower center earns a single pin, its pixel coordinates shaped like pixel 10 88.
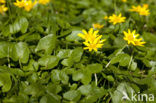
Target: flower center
pixel 131 37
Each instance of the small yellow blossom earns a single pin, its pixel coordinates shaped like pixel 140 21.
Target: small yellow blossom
pixel 29 5
pixel 97 26
pixel 124 1
pixel 20 4
pixel 2 1
pixel 92 39
pixel 135 8
pixel 139 42
pixel 131 37
pixel 116 19
pixel 26 4
pixel 90 35
pixel 145 6
pixel 106 17
pixel 3 9
pixel 95 44
pixel 44 2
pixel 142 10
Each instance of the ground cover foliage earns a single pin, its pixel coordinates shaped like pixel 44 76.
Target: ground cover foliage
pixel 42 59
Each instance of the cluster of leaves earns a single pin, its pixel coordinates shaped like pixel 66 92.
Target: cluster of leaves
pixel 42 60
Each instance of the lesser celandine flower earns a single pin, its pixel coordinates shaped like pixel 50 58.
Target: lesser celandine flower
pixel 124 1
pixel 2 1
pixel 20 3
pixel 3 9
pixel 29 5
pixel 26 4
pixel 106 17
pixel 139 42
pixel 131 38
pixel 92 39
pixel 97 26
pixel 116 19
pixel 142 10
pixel 44 2
pixel 94 44
pixel 91 34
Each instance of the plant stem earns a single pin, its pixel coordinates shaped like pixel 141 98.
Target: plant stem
pixel 9 10
pixel 130 61
pixel 20 64
pixel 132 52
pixel 8 58
pixel 115 6
pixel 95 79
pixel 116 55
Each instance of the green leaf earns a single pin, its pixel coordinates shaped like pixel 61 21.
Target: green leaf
pixel 32 37
pixel 94 94
pixel 53 88
pixel 6 31
pixel 4 49
pixel 94 68
pixel 15 27
pixel 72 95
pixel 21 98
pixel 85 89
pixel 48 62
pixel 35 90
pixel 152 71
pixel 76 54
pixel 84 75
pixel 123 59
pixel 73 36
pixel 149 37
pixel 20 24
pixel 67 62
pixel 50 98
pixel 47 44
pixel 57 76
pixel 133 66
pixel 110 78
pixel 122 89
pixel 64 53
pixel 78 75
pixel 5 81
pixel 23 24
pixel 32 66
pixel 20 51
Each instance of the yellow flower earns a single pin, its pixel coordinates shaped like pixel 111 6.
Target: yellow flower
pixel 43 1
pixel 116 19
pixel 2 1
pixel 138 42
pixel 97 26
pixel 106 17
pixel 26 4
pixel 142 10
pixel 145 6
pixel 95 44
pixel 124 1
pixel 3 9
pixel 135 8
pixel 20 4
pixel 131 37
pixel 29 5
pixel 88 36
pixel 92 39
